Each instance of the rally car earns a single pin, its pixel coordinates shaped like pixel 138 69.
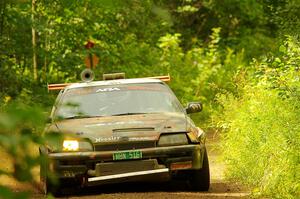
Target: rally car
pixel 123 130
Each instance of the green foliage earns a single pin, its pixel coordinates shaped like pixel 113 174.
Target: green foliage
pixel 283 16
pixel 126 34
pixel 281 72
pixel 206 70
pixel 7 193
pixel 261 144
pixel 21 133
pixel 20 130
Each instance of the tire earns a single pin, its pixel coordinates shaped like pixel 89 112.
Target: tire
pixel 49 188
pixel 47 184
pixel 200 179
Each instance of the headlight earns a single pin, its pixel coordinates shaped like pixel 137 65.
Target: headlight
pixel 196 135
pixel 77 145
pixel 201 135
pixel 70 145
pixel 173 139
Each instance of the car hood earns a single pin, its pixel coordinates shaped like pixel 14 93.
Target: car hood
pixel 140 127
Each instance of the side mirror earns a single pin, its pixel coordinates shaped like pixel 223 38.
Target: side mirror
pixel 193 107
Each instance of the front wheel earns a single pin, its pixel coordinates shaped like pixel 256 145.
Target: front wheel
pixel 49 188
pixel 48 185
pixel 200 179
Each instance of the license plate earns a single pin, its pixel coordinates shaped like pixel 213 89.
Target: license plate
pixel 127 155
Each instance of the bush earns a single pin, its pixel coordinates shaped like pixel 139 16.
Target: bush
pixel 201 72
pixel 21 130
pixel 261 140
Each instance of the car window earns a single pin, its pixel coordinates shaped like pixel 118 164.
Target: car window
pixel 117 100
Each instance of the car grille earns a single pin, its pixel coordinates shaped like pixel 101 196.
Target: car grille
pixel 124 146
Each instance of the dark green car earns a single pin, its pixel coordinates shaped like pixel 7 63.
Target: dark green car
pixel 120 131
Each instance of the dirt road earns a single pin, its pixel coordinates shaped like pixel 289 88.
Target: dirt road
pixel 219 189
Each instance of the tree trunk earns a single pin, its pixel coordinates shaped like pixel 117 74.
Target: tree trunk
pixel 45 58
pixel 2 13
pixel 34 56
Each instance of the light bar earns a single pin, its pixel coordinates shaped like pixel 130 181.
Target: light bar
pixel 57 86
pixel 113 76
pixel 166 78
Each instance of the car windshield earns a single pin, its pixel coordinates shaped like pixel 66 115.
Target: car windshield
pixel 117 100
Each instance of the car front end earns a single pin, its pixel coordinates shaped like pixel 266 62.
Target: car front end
pixel 124 132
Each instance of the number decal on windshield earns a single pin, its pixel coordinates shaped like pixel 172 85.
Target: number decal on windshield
pixel 107 90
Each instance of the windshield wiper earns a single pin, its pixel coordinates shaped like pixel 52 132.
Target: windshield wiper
pixel 128 114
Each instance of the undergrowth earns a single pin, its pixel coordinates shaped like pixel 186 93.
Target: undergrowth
pixel 261 139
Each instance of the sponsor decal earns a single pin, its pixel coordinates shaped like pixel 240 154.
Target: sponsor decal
pixel 107 139
pixel 114 123
pixel 118 138
pixel 107 90
pixel 140 138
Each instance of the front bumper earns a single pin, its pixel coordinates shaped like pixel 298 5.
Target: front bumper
pixel 166 160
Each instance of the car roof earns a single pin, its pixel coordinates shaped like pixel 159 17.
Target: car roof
pixel 113 82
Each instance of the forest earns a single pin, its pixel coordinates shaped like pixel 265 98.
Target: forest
pixel 240 58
